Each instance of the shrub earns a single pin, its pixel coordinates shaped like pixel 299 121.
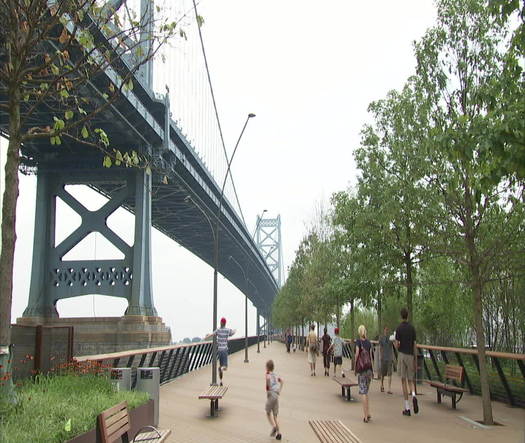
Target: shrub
pixel 56 408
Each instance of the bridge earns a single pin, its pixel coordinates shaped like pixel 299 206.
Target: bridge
pixel 176 193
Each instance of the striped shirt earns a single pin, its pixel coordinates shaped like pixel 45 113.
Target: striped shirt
pixel 222 338
pixel 273 383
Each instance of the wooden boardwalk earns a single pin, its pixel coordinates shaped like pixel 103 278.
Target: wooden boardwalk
pixel 241 416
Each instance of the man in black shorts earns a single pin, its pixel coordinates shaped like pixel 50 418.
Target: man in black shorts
pixel 406 360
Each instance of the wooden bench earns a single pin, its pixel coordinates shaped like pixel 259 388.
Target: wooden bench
pixel 333 431
pixel 346 384
pixel 214 394
pixel 114 425
pixel 452 374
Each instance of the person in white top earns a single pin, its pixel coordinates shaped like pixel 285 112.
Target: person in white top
pixel 274 385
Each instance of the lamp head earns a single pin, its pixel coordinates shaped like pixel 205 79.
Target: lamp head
pixel 251 115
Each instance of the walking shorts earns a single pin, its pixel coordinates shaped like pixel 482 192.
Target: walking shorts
pixel 272 403
pixel 405 366
pixel 223 358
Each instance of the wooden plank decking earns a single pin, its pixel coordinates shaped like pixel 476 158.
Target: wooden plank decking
pixel 242 417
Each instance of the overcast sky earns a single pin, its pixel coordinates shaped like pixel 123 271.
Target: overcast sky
pixel 308 70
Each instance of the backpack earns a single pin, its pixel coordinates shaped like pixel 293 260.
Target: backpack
pixel 364 362
pixel 313 347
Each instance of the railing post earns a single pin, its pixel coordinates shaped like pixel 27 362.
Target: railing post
pixel 179 363
pixel 152 359
pixel 460 361
pixel 143 359
pixel 504 382
pixel 130 361
pixel 425 364
pixel 434 363
pixel 171 375
pixel 522 367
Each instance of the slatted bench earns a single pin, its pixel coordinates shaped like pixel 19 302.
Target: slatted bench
pixel 113 424
pixel 452 374
pixel 214 394
pixel 346 384
pixel 333 431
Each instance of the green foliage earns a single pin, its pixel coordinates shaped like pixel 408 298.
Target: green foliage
pixel 57 408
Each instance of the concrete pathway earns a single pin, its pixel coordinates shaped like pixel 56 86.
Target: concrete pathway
pixel 242 417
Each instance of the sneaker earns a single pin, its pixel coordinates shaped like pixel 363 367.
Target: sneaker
pixel 274 431
pixel 278 436
pixel 406 412
pixel 414 403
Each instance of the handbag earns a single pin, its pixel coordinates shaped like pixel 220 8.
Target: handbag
pixel 364 362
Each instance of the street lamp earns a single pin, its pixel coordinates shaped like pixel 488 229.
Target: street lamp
pixel 216 255
pixel 245 311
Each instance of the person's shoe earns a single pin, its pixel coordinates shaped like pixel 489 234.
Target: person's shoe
pixel 274 431
pixel 278 436
pixel 220 384
pixel 414 403
pixel 406 412
pixel 343 375
pixel 382 389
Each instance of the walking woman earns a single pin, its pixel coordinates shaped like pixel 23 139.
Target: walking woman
pixel 312 347
pixel 327 341
pixel 363 369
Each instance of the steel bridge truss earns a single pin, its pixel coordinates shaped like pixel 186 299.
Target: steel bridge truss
pixel 268 240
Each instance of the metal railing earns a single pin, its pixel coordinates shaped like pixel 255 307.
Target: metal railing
pixel 506 370
pixel 173 361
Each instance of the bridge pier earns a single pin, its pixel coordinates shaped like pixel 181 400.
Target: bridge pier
pixel 53 278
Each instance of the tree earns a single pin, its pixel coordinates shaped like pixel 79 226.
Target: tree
pixel 459 62
pixel 506 145
pixel 397 204
pixel 52 55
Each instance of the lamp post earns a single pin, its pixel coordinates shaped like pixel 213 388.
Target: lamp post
pixel 245 311
pixel 216 255
pixel 258 332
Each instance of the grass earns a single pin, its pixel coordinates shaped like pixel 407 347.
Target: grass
pixel 57 408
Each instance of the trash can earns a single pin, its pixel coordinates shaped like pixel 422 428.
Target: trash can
pixel 148 380
pixel 419 369
pixel 121 378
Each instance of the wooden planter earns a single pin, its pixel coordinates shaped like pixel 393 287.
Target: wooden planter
pixel 138 417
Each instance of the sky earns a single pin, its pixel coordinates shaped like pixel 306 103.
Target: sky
pixel 308 70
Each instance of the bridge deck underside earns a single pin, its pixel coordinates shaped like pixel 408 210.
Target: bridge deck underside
pixel 172 213
pixel 242 418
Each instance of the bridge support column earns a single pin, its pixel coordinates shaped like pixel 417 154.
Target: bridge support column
pixel 53 278
pixel 141 302
pixel 41 303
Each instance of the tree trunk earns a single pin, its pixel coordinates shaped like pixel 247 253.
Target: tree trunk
pixel 379 313
pixel 409 283
pixel 477 291
pixel 8 242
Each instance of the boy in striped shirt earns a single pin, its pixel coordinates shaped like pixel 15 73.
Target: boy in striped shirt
pixel 223 333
